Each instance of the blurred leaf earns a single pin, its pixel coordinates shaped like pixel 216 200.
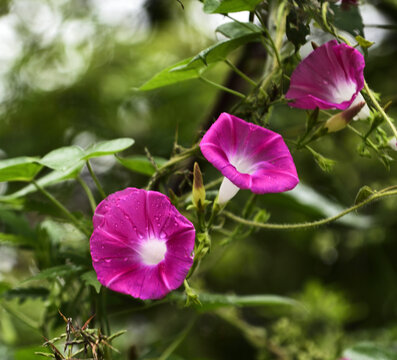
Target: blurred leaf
pixel 364 43
pixel 19 169
pixel 90 279
pixel 227 6
pixel 62 158
pixel 16 223
pixel 169 77
pixel 236 29
pixel 348 20
pixel 4 287
pixel 312 119
pixel 369 351
pixel 107 148
pixel 16 240
pixel 23 294
pixel 141 164
pixel 297 27
pixel 61 271
pixel 28 353
pixel 363 194
pixel 214 301
pixel 50 179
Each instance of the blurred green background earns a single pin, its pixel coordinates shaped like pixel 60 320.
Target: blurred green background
pixel 69 73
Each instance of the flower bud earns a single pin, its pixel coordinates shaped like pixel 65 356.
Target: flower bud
pixel 198 191
pixel 340 120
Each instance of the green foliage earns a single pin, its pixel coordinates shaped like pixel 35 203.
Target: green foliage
pixel 369 351
pixel 228 6
pixel 238 34
pixel 39 234
pixel 90 279
pixel 363 194
pixel 19 169
pixel 141 164
pixel 170 76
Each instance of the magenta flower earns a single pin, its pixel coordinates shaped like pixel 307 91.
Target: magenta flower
pixel 141 244
pixel 331 77
pixel 249 156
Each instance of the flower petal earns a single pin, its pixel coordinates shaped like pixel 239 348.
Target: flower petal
pixel 141 244
pixel 329 78
pixel 250 156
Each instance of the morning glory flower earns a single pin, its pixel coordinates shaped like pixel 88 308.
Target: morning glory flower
pixel 331 77
pixel 141 244
pixel 249 156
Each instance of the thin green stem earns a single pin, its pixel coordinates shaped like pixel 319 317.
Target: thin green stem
pixel 170 163
pixel 380 109
pixel 65 211
pixel 331 30
pixel 88 191
pixel 269 37
pixel 240 73
pixel 223 88
pixel 370 143
pixel 178 340
pixel 96 181
pixel 307 225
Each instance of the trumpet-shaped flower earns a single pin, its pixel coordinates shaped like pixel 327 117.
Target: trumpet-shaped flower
pixel 141 244
pixel 249 156
pixel 331 77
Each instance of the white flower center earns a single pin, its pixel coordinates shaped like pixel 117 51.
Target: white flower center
pixel 343 92
pixel 153 251
pixel 242 165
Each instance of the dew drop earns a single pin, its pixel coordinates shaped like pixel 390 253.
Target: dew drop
pixel 108 260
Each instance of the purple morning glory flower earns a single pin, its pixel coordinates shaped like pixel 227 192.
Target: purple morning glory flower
pixel 141 244
pixel 331 77
pixel 249 156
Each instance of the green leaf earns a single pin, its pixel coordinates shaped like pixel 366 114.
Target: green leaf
pixel 218 52
pixel 50 179
pixel 19 169
pixel 214 301
pixel 297 27
pixel 23 293
pixel 16 240
pixel 192 68
pixel 364 43
pixel 348 20
pixel 107 148
pixel 90 279
pixel 228 6
pixel 169 77
pixel 363 194
pixel 62 158
pixel 141 164
pixel 236 29
pixel 369 351
pixel 56 271
pixel 4 287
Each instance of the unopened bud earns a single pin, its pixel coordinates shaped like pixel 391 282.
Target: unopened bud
pixel 340 120
pixel 198 191
pixel 393 143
